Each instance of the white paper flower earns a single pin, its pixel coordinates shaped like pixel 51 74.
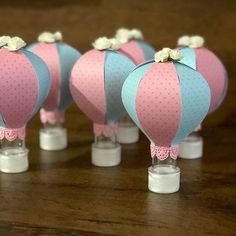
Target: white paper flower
pixel 136 34
pixel 102 43
pixel 175 55
pixel 184 41
pixel 3 40
pixel 197 41
pixel 191 41
pixel 48 37
pixel 58 36
pixel 115 44
pixel 124 35
pixel 167 54
pixel 15 43
pixel 161 56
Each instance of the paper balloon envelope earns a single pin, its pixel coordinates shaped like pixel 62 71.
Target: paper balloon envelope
pixel 24 85
pixel 166 100
pixel 134 47
pixel 60 58
pixel 196 56
pixel 96 82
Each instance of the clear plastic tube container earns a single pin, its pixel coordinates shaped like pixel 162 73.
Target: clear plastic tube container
pixel 53 137
pixel 127 132
pixel 191 147
pixel 106 152
pixel 163 176
pixel 13 156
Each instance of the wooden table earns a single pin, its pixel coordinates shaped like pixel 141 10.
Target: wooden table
pixel 63 194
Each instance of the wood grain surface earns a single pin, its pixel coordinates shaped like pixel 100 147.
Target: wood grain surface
pixel 63 194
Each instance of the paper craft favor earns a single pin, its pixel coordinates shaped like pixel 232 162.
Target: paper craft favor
pixel 167 100
pixel 96 82
pixel 211 68
pixel 60 58
pixel 24 85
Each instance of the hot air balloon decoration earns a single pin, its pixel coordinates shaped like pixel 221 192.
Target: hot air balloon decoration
pixel 166 100
pixel 24 85
pixel 96 82
pixel 196 56
pixel 60 58
pixel 134 47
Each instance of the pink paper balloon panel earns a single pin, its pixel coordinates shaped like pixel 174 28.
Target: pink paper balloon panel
pixel 24 85
pixel 133 46
pixel 137 50
pixel 96 82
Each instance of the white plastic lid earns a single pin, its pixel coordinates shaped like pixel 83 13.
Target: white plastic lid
pixel 191 149
pixel 53 139
pixel 163 179
pixel 14 160
pixel 106 156
pixel 127 134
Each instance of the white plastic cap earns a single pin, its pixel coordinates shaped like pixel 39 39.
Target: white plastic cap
pixel 53 139
pixel 191 149
pixel 106 156
pixel 14 160
pixel 163 179
pixel 127 134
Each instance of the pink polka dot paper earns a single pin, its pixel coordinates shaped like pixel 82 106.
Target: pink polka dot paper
pixel 132 50
pixel 96 83
pixel 87 85
pixel 214 72
pixel 20 94
pixel 18 88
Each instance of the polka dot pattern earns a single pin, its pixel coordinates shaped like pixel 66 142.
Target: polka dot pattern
pixel 195 97
pixel 18 88
pixel 49 54
pixel 225 90
pixel 213 71
pixel 158 103
pixel 117 69
pixel 133 51
pixel 68 56
pixel 87 85
pixel 148 50
pixel 129 91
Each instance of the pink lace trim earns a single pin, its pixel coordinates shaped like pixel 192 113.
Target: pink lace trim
pixel 12 134
pixel 106 130
pixel 163 153
pixel 51 117
pixel 199 128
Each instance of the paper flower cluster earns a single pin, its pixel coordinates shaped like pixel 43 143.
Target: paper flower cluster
pixel 167 54
pixel 191 41
pixel 104 43
pixel 12 43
